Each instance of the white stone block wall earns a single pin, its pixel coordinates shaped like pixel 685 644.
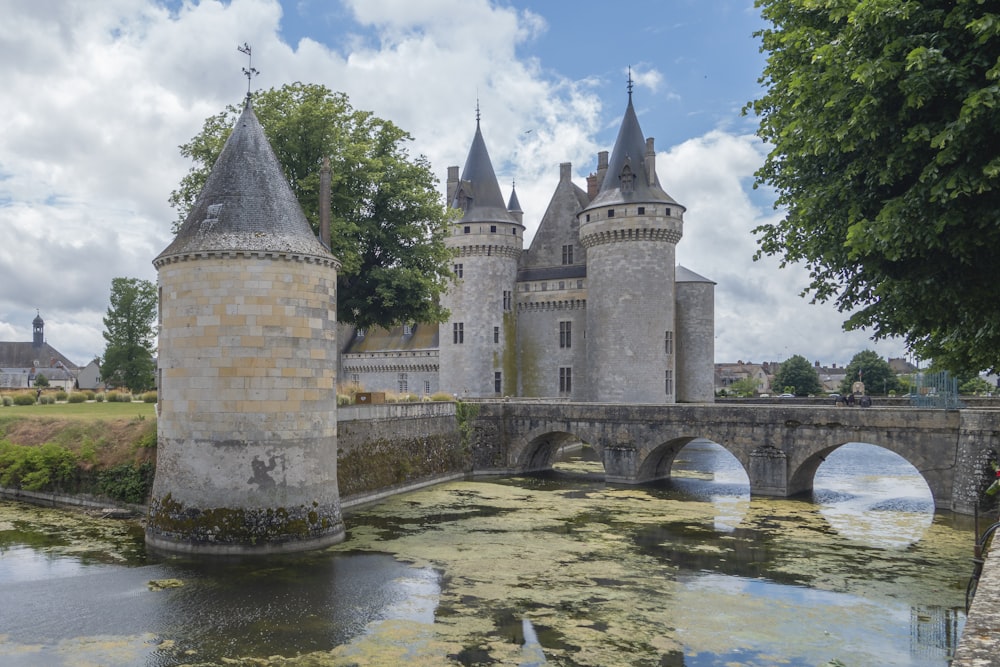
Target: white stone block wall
pixel 695 342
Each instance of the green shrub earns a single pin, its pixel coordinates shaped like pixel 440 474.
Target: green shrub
pixel 149 397
pixel 442 396
pixel 113 397
pixel 344 399
pixel 61 395
pixel 90 395
pixel 99 398
pixel 76 397
pixel 8 401
pixel 24 399
pixel 47 466
pixel 126 482
pixel 46 399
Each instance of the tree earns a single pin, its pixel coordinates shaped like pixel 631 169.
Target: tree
pixel 744 387
pixel 796 372
pixel 388 222
pixel 129 331
pixel 871 369
pixel 41 381
pixel 879 114
pixel 976 386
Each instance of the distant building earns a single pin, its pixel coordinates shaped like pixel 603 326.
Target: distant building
pixel 728 374
pixel 89 377
pixel 22 362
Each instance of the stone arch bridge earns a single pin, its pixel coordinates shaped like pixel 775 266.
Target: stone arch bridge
pixel 779 446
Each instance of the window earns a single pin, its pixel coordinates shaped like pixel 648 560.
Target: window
pixel 579 284
pixel 562 284
pixel 567 254
pixel 508 300
pixel 667 211
pixel 668 342
pixel 407 329
pixel 493 229
pixel 356 379
pixel 588 217
pixel 514 230
pixel 458 270
pixel 565 380
pixel 427 387
pixel 611 212
pixel 669 383
pixel 497 382
pixel 403 383
pixel 641 210
pixel 360 333
pixel 545 286
pixel 565 334
pixel 496 334
pixel 458 333
pixel 627 178
pixel 467 229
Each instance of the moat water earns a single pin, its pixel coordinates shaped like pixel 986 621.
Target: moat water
pixel 558 569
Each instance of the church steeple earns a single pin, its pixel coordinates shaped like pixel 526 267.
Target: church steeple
pixel 37 330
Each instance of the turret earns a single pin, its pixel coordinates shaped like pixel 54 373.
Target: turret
pixel 477 342
pixel 630 230
pixel 247 428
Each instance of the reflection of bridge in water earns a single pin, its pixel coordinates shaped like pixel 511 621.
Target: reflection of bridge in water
pixel 779 446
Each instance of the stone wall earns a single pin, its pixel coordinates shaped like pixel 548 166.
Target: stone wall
pixel 387 449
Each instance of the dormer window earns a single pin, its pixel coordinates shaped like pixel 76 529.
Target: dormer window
pixel 627 178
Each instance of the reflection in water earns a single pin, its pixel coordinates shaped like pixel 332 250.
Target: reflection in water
pixel 550 569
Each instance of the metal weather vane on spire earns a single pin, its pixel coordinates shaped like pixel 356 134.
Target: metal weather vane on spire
pixel 250 71
pixel 629 87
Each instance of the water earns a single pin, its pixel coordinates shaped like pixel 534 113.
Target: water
pixel 556 569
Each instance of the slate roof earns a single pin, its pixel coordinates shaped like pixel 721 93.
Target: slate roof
pixel 422 337
pixel 630 148
pixel 485 200
pixel 686 275
pixel 246 204
pixel 24 355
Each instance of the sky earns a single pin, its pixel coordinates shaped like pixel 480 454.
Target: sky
pixel 97 98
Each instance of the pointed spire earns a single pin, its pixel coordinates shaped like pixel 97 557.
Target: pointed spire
pixel 246 204
pixel 478 191
pixel 513 205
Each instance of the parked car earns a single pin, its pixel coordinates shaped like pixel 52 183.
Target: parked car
pixel 787 396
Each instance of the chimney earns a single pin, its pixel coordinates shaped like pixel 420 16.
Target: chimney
pixel 602 168
pixel 592 186
pixel 565 171
pixel 452 185
pixel 324 203
pixel 650 162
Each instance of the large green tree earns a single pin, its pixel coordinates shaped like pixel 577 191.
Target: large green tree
pixel 129 329
pixel 871 369
pixel 883 118
pixel 798 373
pixel 388 221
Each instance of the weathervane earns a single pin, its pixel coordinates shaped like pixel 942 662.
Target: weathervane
pixel 630 83
pixel 250 71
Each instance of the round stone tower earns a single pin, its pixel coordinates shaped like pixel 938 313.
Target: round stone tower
pixel 477 343
pixel 247 427
pixel 630 231
pixel 695 340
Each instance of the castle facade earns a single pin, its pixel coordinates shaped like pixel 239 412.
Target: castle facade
pixel 596 309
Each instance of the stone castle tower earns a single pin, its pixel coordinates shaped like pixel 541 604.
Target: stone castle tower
pixel 630 231
pixel 247 453
pixel 477 353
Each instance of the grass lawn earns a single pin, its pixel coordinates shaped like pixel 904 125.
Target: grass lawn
pixel 82 411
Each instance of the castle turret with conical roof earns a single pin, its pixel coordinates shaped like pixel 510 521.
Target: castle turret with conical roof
pixel 477 356
pixel 630 230
pixel 247 428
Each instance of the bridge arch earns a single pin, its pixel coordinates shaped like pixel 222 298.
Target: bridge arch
pixel 536 449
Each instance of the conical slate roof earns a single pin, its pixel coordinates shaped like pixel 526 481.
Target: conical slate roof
pixel 246 204
pixel 630 149
pixel 485 203
pixel 513 205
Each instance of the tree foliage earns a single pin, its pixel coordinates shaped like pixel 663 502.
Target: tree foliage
pixel 388 221
pixel 743 387
pixel 129 331
pixel 798 373
pixel 881 115
pixel 873 370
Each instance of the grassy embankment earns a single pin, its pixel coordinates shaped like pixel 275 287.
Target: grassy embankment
pixel 103 449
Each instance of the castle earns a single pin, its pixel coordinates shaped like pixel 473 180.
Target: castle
pixel 595 310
